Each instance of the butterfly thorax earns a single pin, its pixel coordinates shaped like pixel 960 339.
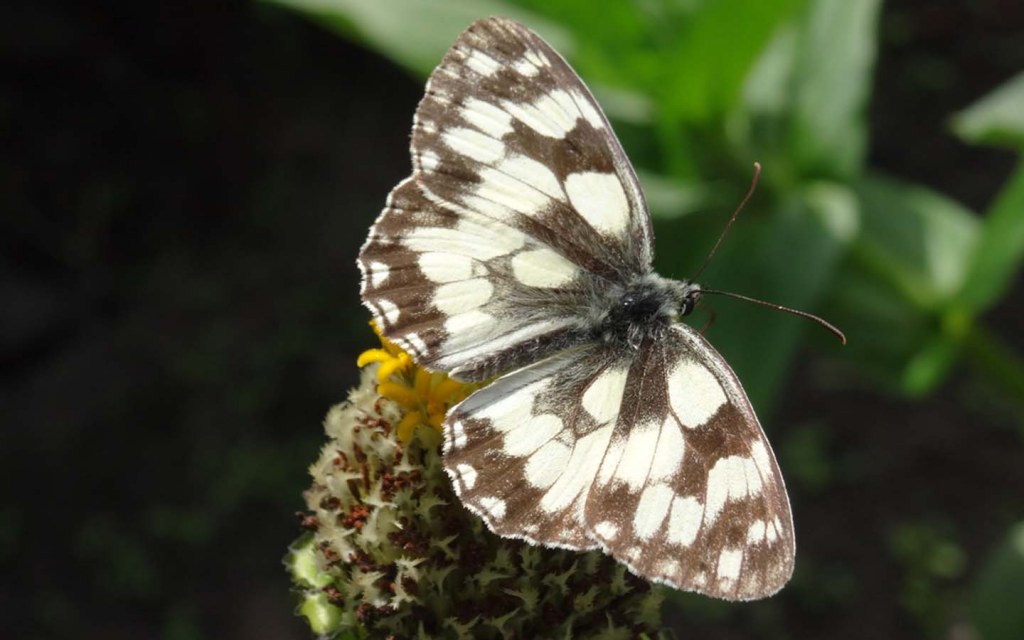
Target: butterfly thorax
pixel 645 307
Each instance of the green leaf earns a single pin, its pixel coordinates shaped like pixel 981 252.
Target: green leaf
pixel 712 51
pixel 918 240
pixel 997 119
pixel 414 33
pixel 995 603
pixel 1000 248
pixel 836 55
pixel 902 291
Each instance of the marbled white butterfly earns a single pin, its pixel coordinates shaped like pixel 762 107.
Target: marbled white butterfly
pixel 521 247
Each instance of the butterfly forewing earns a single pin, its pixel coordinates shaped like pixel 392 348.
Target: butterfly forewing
pixel 438 285
pixel 508 130
pixel 521 206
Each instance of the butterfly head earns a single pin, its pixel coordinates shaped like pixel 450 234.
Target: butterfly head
pixel 689 294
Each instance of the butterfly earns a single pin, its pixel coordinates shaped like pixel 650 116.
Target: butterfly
pixel 521 249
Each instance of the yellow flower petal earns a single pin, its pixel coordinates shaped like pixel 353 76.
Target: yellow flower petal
pixel 392 366
pixel 372 355
pixel 448 388
pixel 400 393
pixel 407 427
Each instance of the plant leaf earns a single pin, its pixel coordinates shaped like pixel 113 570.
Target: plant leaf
pixel 712 52
pixel 1000 248
pixel 997 119
pixel 917 239
pixel 836 55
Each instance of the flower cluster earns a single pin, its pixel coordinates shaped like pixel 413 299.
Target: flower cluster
pixel 391 553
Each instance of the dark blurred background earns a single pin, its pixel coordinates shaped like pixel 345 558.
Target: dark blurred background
pixel 183 190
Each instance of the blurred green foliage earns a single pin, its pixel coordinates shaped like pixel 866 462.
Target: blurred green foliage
pixel 698 91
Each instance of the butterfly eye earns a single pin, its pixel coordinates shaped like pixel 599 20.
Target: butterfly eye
pixel 686 308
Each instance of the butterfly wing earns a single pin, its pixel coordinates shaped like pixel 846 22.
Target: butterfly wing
pixel 688 492
pixel 656 457
pixel 521 209
pixel 523 451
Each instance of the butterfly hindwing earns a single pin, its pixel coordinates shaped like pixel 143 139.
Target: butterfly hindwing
pixel 523 451
pixel 688 492
pixel 656 457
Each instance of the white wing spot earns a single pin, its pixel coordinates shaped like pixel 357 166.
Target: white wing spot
pixel 589 110
pixel 532 174
pixel 387 310
pixel 447 267
pixel 428 160
pixel 495 507
pixel 474 144
pixel 546 464
pixel 729 563
pixel 482 63
pixel 668 455
pixel 552 115
pixel 487 117
pixel 416 343
pixel 669 568
pixel 756 532
pixel 729 480
pixel 458 440
pixel 480 238
pixel 604 395
pixel 457 298
pixel 525 68
pixel 606 530
pixel 537 58
pixel 634 465
pixel 510 412
pixel 695 394
pixel 472 321
pixel 518 184
pixel 579 472
pixel 652 510
pixel 685 520
pixel 543 268
pixel 600 199
pixel 378 273
pixel 523 437
pixel 467 474
pixel 762 457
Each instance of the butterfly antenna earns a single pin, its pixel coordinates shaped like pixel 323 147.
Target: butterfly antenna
pixel 728 225
pixel 778 307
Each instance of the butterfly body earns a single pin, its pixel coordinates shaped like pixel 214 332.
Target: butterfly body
pixel 521 249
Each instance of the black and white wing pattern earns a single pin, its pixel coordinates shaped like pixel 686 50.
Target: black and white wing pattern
pixel 521 247
pixel 656 458
pixel 520 205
